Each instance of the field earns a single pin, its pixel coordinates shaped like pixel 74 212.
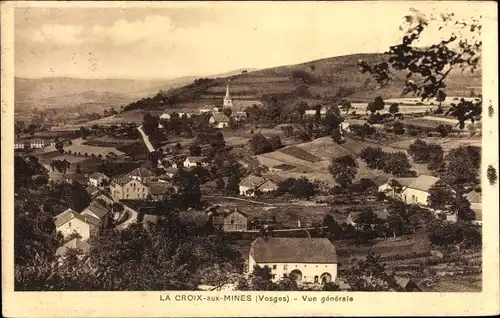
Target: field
pixel 107 141
pixel 446 143
pixel 300 154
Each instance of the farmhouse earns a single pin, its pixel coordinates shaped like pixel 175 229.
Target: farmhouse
pixel 389 188
pixel 70 221
pixel 98 211
pixel 219 120
pixel 195 161
pixel 75 244
pixel 307 260
pixel 418 191
pixel 168 113
pixel 251 184
pixel 128 188
pixel 231 221
pixel 97 179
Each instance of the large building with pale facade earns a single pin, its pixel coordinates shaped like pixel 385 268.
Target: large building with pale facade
pixel 307 260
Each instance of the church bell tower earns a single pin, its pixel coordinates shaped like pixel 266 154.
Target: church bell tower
pixel 227 98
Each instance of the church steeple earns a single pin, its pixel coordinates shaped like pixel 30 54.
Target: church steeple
pixel 227 99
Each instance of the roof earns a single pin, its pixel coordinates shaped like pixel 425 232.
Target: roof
pixel 243 104
pixel 194 217
pixel 402 281
pixel 474 197
pixel 171 170
pixel 159 188
pixel 98 175
pixel 91 190
pixel 252 181
pixel 105 198
pixel 220 117
pixel 97 209
pixel 380 179
pixel 122 180
pixel 226 213
pixel 70 214
pixel 423 182
pixel 75 243
pixel 141 172
pixel 293 250
pixel 196 159
pixel 269 184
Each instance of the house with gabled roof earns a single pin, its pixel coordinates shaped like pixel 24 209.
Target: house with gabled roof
pixel 128 188
pixel 98 211
pixel 251 184
pixel 231 221
pixel 93 191
pixel 219 120
pixel 307 260
pixel 141 174
pixel 70 221
pixel 417 192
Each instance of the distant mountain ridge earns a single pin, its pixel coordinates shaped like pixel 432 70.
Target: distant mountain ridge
pixel 98 94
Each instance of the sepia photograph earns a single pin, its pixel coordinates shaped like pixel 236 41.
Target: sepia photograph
pixel 231 147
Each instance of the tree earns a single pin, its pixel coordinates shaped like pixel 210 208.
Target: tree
pixel 394 108
pixel 259 144
pixel 445 233
pixel 346 106
pixel 188 188
pixel 374 157
pixel 441 196
pixel 150 124
pixel 397 163
pixel 344 169
pixel 376 105
pixel 463 164
pixel 398 128
pixel 227 111
pixel 443 130
pixel 332 227
pixel 401 220
pixel 195 150
pixel 418 150
pixel 298 188
pixel 431 64
pixel 371 275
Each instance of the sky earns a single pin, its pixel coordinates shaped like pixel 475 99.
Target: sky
pixel 197 39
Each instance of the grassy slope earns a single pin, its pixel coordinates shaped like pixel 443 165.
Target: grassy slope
pixel 330 75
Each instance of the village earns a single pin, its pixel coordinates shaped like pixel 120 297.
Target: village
pixel 307 208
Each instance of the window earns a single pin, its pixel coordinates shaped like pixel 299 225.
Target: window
pixel 78 230
pixel 285 267
pixel 68 230
pixel 69 224
pixel 316 279
pixel 275 266
pixel 232 221
pixel 274 276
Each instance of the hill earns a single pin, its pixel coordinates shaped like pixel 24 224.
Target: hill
pixel 93 94
pixel 315 82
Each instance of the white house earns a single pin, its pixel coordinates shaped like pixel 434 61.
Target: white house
pixel 250 184
pixel 219 120
pixel 19 145
pixel 307 260
pixel 37 143
pixel 70 221
pixel 195 161
pixel 418 191
pixel 98 179
pixel 389 190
